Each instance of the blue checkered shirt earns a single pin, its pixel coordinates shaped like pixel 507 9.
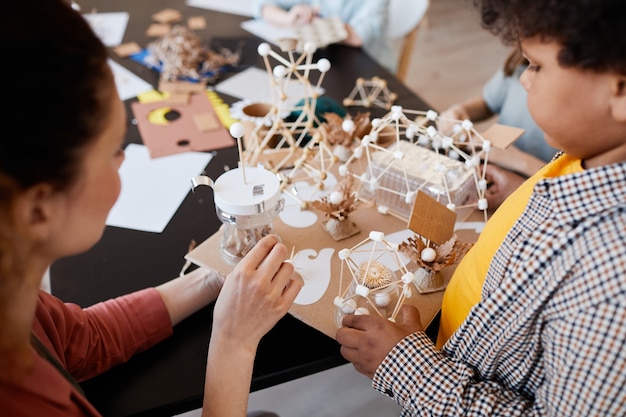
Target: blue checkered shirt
pixel 549 334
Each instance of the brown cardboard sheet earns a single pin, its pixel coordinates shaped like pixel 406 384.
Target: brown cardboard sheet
pixel 321 314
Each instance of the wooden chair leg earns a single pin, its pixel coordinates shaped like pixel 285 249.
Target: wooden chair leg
pixel 406 51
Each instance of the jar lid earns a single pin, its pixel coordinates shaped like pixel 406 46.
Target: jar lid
pixel 259 193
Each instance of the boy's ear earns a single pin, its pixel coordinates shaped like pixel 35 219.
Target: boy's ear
pixel 618 99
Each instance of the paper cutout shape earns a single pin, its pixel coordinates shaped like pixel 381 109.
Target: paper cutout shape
pixel 196 22
pixel 157 29
pixel 431 219
pixel 167 16
pixel 502 136
pixel 181 134
pixel 314 268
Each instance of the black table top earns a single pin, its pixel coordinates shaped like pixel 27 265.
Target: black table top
pixel 169 378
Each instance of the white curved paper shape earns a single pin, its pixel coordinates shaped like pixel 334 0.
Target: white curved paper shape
pixel 314 269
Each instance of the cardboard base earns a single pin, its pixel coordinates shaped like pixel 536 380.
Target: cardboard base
pixel 321 314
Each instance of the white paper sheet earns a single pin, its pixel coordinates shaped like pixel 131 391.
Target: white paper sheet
pixel 109 27
pixel 254 84
pixel 128 84
pixel 239 7
pixel 153 189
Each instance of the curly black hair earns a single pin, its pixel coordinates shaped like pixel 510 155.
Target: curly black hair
pixel 592 32
pixel 55 97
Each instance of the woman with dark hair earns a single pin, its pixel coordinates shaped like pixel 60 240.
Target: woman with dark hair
pixel 58 181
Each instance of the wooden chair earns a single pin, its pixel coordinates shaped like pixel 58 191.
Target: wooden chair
pixel 405 19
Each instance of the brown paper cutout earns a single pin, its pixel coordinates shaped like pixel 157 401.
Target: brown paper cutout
pixel 502 136
pixel 127 49
pixel 431 219
pixel 157 29
pixel 167 16
pixel 196 22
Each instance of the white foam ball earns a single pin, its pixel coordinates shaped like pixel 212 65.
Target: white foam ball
pixel 264 49
pixel 347 125
pixel 342 153
pixel 382 299
pixel 377 236
pixel 310 47
pixel 428 254
pixel 279 71
pixel 323 65
pixel 237 130
pixel 410 132
pixel 336 197
pixel 466 124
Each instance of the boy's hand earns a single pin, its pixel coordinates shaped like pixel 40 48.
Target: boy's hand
pixel 502 183
pixel 367 340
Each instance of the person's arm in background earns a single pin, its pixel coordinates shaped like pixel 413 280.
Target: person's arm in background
pixel 473 109
pixel 287 13
pixel 257 294
pixel 516 160
pixel 365 21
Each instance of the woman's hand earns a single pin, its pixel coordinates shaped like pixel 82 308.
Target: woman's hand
pixel 254 297
pixel 257 294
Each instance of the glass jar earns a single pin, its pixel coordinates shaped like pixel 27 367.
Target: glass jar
pixel 247 200
pixel 241 232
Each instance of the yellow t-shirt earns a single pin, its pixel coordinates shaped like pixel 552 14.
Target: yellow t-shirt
pixel 465 287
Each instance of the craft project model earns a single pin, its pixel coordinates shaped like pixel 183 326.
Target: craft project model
pixel 274 141
pixel 374 279
pixel 337 207
pixel 376 273
pixel 451 168
pixel 370 92
pixel 179 55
